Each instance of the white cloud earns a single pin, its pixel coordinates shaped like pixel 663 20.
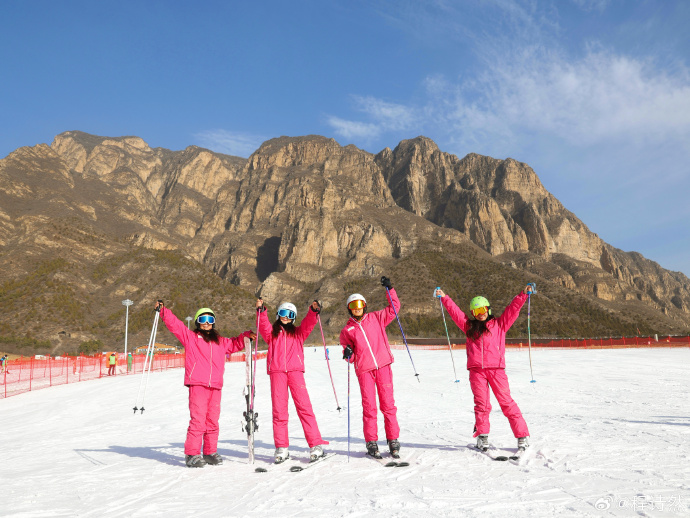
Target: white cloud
pixel 382 117
pixel 228 142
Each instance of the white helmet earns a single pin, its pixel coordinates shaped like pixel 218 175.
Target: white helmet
pixel 288 310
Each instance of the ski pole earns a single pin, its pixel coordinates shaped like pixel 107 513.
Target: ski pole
pixel 450 348
pixel 328 362
pixel 348 411
pixel 529 333
pixel 148 360
pixel 402 332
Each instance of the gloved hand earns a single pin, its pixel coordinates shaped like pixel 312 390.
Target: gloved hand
pixel 159 305
pixel 386 282
pixel 347 353
pixel 316 306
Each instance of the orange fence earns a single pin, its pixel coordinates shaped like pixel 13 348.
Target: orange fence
pixel 26 374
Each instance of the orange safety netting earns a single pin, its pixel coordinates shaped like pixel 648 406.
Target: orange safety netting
pixel 26 374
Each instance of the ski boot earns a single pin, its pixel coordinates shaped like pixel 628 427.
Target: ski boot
pixel 214 459
pixel 373 450
pixel 315 453
pixel 523 443
pixel 394 447
pixel 194 461
pixel 281 455
pixel 483 442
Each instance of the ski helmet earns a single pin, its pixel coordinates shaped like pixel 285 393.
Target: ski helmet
pixel 288 310
pixel 480 302
pixel 204 311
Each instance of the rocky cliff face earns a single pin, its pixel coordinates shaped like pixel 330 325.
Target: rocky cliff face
pixel 306 217
pixel 502 206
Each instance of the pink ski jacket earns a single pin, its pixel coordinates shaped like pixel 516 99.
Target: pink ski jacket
pixel 368 337
pixel 489 351
pixel 286 353
pixel 204 361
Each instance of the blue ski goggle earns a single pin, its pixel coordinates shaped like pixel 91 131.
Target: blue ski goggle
pixel 206 319
pixel 286 313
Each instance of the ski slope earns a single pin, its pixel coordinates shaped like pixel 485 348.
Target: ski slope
pixel 610 436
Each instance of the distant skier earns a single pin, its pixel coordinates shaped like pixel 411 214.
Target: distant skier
pixel 486 346
pixel 366 345
pixel 112 362
pixel 285 366
pixel 204 367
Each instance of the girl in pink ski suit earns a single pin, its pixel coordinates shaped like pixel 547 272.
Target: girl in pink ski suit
pixel 285 366
pixel 486 363
pixel 204 367
pixel 365 344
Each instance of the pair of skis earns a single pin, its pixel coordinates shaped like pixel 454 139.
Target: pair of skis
pixel 250 423
pixel 294 468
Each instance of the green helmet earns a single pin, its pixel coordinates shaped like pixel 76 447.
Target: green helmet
pixel 202 311
pixel 480 302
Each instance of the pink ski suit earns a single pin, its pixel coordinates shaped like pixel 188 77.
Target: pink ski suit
pixel 486 362
pixel 285 366
pixel 372 358
pixel 204 367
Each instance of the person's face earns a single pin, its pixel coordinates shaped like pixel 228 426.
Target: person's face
pixel 205 327
pixel 358 312
pixel 482 317
pixel 285 320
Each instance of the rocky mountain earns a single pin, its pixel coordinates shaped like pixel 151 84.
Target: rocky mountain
pixel 89 219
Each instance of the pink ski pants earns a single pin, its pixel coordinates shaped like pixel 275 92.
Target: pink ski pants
pixel 294 381
pixel 480 381
pixel 370 383
pixel 204 411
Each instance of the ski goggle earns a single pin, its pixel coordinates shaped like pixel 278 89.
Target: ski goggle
pixel 286 313
pixel 206 319
pixel 357 304
pixel 480 311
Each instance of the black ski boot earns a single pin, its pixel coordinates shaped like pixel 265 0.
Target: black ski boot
pixel 394 447
pixel 373 450
pixel 214 459
pixel 194 461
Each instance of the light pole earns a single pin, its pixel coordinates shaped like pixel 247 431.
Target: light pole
pixel 126 303
pixel 188 319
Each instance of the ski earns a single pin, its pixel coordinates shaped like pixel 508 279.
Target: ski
pixel 500 458
pixel 274 466
pixel 311 463
pixel 249 424
pixel 387 463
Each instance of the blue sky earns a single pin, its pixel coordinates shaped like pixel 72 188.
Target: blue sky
pixel 593 94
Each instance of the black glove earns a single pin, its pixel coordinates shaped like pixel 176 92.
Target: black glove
pixel 318 307
pixel 386 282
pixel 347 353
pixel 159 305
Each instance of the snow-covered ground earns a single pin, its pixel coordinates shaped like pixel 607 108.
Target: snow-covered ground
pixel 610 437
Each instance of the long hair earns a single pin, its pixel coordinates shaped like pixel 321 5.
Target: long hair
pixel 289 328
pixel 209 336
pixel 476 328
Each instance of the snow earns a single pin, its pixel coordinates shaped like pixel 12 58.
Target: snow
pixel 610 436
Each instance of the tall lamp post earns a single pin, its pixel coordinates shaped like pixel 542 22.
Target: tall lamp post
pixel 188 319
pixel 126 303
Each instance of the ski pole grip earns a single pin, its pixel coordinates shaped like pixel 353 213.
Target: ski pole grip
pixel 435 290
pixel 534 287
